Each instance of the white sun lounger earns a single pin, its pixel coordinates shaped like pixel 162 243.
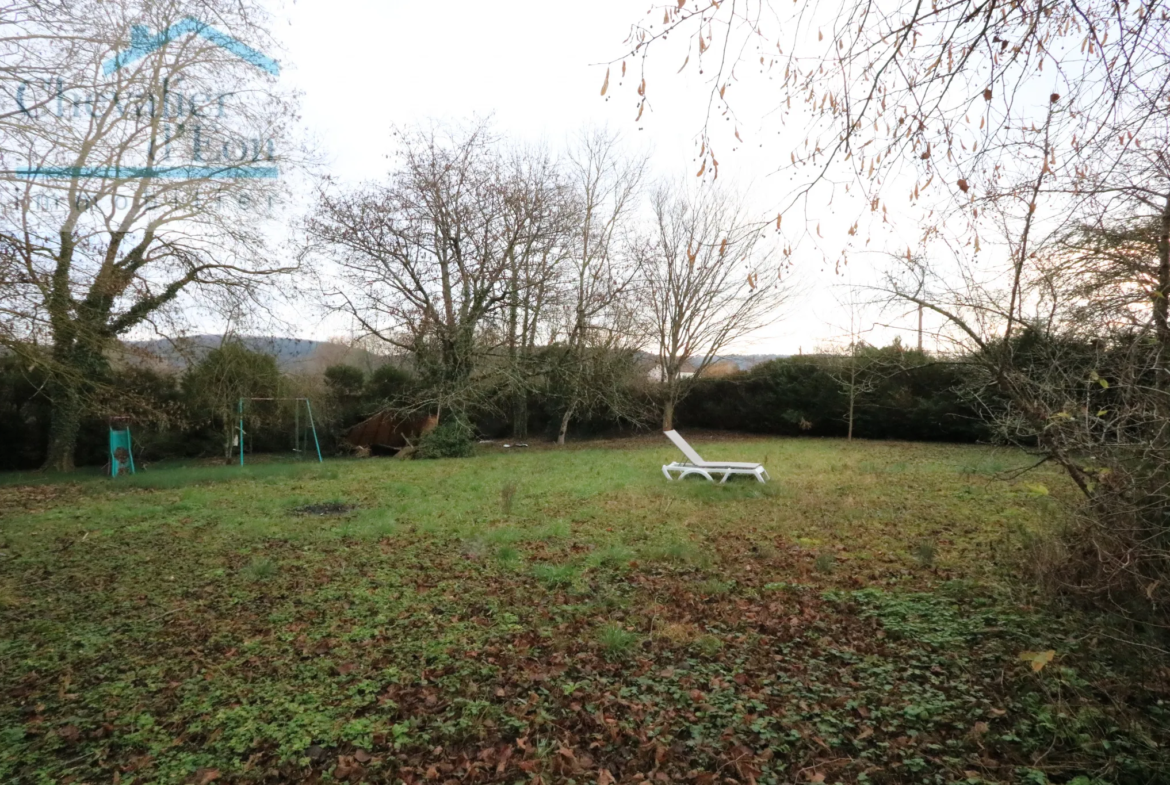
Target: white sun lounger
pixel 696 465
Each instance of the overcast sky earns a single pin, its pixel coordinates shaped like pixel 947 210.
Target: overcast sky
pixel 364 66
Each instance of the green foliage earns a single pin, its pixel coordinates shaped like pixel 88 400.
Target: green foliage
pixel 616 640
pixel 612 556
pixel 713 587
pixel 213 389
pixel 191 415
pixel 24 414
pixel 507 554
pixel 227 373
pixel 152 399
pixel 387 383
pixel 344 381
pixel 708 645
pixel 558 575
pixel 675 551
pixel 909 396
pixel 451 438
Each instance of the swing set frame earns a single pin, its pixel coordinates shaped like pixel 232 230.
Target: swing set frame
pixel 297 426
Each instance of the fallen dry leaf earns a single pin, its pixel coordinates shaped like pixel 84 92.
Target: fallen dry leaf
pixel 204 776
pixel 1038 658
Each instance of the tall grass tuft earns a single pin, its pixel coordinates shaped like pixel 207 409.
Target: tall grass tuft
pixel 616 640
pixel 507 498
pixel 260 570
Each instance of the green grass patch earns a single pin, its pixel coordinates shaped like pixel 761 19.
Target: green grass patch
pixel 859 617
pixel 556 575
pixel 616 640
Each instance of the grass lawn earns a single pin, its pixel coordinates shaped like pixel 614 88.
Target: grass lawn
pixel 557 616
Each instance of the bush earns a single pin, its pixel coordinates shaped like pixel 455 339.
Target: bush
pixel 24 414
pixel 909 396
pixel 387 383
pixel 452 438
pixel 344 381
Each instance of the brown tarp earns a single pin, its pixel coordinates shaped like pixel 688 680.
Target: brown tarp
pixel 388 432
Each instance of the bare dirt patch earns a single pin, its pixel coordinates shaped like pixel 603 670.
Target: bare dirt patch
pixel 325 509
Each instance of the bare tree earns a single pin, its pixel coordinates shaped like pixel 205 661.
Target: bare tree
pixel 706 281
pixel 947 88
pixel 139 157
pixel 430 261
pixel 605 183
pixel 855 371
pixel 541 215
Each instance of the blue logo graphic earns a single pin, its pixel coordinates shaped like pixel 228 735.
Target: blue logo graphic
pixel 143 42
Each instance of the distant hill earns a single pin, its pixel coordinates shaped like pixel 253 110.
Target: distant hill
pixel 304 355
pixel 746 361
pixel 293 355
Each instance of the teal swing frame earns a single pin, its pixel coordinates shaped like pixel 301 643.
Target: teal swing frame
pixel 297 433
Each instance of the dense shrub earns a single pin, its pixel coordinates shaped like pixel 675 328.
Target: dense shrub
pixel 452 438
pixel 150 397
pixel 157 415
pixel 904 395
pixel 213 389
pixel 344 381
pixel 24 415
pixel 388 383
pixel 789 396
pixel 345 402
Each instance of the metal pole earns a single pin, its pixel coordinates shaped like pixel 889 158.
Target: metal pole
pixel 309 409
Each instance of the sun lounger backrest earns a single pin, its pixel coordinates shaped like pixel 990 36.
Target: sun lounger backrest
pixel 687 450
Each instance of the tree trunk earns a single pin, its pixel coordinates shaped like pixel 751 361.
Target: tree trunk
pixel 852 397
pixel 520 415
pixel 668 415
pixel 565 425
pixel 229 426
pixel 64 425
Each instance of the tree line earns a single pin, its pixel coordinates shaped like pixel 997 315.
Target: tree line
pixel 495 265
pixel 193 413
